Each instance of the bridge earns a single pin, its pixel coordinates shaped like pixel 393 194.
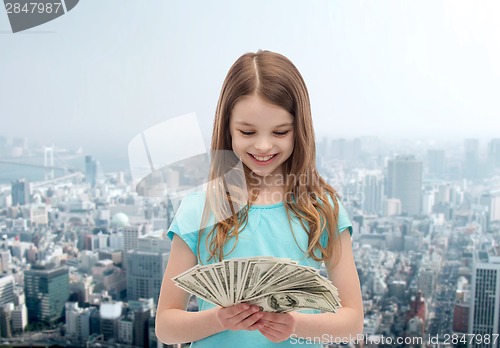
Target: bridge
pixel 22 164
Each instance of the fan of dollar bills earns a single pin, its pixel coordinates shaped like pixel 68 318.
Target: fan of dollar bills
pixel 274 284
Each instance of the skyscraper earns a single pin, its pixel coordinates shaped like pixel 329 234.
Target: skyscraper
pixel 484 315
pixel 77 321
pixel 142 310
pixel 7 289
pixel 146 265
pixel 110 313
pixel 436 163
pixel 144 273
pixel 404 181
pixel 6 320
pixel 91 170
pixel 132 233
pixel 20 190
pixel 494 153
pixel 471 159
pixel 47 289
pixel 373 193
pixel 491 201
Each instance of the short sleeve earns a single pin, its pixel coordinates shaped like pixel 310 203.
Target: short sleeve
pixel 343 221
pixel 187 220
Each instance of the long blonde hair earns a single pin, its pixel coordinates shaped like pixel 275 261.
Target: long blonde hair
pixel 274 78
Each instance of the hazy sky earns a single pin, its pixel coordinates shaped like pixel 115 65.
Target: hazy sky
pixel 109 69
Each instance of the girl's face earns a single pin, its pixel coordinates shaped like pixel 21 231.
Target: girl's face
pixel 262 135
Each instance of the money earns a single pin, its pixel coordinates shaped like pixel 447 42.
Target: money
pixel 274 284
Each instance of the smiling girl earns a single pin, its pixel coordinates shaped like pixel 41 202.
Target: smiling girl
pixel 264 117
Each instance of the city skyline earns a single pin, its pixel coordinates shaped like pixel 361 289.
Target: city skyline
pixel 30 155
pixel 413 242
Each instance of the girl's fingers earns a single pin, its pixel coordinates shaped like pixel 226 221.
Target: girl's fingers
pixel 250 321
pixel 238 318
pixel 232 311
pixel 271 330
pixel 256 326
pixel 245 314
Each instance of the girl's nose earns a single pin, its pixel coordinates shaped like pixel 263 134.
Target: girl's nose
pixel 263 145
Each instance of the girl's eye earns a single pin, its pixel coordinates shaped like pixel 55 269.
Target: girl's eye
pixel 281 133
pixel 246 133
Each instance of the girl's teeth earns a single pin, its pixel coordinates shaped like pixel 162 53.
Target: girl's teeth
pixel 263 159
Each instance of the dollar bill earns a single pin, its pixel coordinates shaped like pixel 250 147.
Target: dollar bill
pixel 274 284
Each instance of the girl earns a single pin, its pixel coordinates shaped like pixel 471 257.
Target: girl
pixel 263 116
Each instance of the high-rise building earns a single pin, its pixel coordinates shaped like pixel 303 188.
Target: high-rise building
pixel 110 314
pixel 484 315
pixel 117 241
pixel 491 203
pixel 91 170
pixel 462 305
pixel 494 153
pixel 71 316
pixel 95 321
pixel 47 289
pixel 426 281
pixel 344 149
pixel 373 193
pixel 404 181
pixel 141 323
pixel 146 265
pixel 428 201
pixel 19 316
pixel 6 320
pixel 494 206
pixel 132 233
pixel 471 159
pixel 392 207
pixel 77 321
pixel 20 191
pixel 39 214
pixel 436 163
pixel 144 273
pixel 7 290
pixel 143 310
pixel 126 329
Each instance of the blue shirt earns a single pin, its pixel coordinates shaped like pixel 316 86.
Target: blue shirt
pixel 267 233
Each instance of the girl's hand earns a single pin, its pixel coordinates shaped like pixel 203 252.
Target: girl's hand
pixel 277 327
pixel 241 316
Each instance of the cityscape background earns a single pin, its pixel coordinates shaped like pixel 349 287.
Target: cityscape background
pixel 405 102
pixel 82 254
